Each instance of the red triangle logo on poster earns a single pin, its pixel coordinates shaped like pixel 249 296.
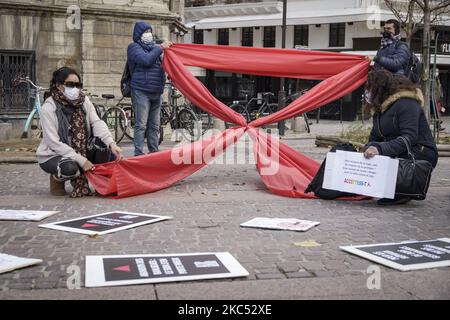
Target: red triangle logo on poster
pixel 89 225
pixel 123 268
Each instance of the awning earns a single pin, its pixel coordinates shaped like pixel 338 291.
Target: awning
pixel 294 17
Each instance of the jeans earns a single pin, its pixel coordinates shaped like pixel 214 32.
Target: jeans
pixel 147 109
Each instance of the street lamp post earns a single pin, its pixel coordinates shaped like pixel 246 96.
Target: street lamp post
pixel 282 93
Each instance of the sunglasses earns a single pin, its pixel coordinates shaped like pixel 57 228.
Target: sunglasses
pixel 71 84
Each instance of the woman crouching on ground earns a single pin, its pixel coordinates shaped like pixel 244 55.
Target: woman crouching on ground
pixel 68 121
pixel 397 107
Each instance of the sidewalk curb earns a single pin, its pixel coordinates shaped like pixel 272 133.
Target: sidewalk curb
pixel 18 160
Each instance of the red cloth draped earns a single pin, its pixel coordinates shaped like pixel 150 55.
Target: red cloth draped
pixel 292 172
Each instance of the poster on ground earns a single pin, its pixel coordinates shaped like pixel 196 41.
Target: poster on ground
pixel 10 263
pixel 352 172
pixel 25 215
pixel 118 270
pixel 104 223
pixel 290 224
pixel 406 256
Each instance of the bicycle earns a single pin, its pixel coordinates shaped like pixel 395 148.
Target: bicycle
pixel 99 109
pixel 243 106
pixel 204 117
pixel 114 117
pixel 180 117
pixel 32 128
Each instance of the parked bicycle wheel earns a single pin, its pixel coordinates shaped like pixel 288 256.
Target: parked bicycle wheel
pixel 187 120
pixel 239 108
pixel 203 116
pixel 34 130
pixel 116 120
pixel 129 128
pixel 99 109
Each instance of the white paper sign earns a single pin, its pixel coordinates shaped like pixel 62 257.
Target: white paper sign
pixel 120 270
pixel 10 263
pixel 25 215
pixel 280 224
pixel 352 172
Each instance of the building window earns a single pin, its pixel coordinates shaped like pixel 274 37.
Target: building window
pixel 301 36
pixel 223 37
pixel 247 37
pixel 337 35
pixel 198 36
pixel 269 37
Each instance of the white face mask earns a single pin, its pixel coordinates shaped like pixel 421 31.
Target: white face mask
pixel 147 37
pixel 71 93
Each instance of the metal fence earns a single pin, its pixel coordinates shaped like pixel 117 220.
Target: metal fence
pixel 16 100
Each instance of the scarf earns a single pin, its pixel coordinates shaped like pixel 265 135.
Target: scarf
pixel 149 47
pixel 73 132
pixel 388 41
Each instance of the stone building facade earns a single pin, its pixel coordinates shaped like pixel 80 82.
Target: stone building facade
pixel 38 36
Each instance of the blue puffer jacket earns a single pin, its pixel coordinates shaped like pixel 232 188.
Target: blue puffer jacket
pixel 395 58
pixel 145 62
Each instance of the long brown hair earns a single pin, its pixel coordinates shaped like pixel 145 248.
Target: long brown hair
pixel 381 84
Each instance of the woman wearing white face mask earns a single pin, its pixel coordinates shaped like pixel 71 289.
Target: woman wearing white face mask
pixel 68 119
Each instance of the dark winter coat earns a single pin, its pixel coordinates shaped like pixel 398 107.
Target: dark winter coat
pixel 402 115
pixel 394 58
pixel 145 62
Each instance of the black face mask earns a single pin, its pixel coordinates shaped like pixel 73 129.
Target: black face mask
pixel 386 34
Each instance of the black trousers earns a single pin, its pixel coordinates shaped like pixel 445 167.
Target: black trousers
pixel 66 169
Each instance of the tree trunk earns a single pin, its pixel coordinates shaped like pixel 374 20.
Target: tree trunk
pixel 426 57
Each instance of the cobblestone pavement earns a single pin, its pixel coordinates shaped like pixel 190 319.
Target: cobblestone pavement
pixel 207 209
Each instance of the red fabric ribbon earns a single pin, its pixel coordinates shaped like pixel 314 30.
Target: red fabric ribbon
pixel 284 170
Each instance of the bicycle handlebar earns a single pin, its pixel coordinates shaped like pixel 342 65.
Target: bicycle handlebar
pixel 20 79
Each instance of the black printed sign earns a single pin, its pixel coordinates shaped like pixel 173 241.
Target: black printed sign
pixel 105 222
pixel 159 267
pixel 407 255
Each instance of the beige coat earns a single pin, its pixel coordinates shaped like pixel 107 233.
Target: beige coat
pixel 51 146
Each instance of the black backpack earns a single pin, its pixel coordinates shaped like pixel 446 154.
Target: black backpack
pixel 414 68
pixel 316 183
pixel 125 82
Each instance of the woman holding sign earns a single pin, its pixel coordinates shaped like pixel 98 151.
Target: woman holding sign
pixel 398 118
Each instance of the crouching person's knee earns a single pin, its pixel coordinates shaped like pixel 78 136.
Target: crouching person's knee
pixel 67 169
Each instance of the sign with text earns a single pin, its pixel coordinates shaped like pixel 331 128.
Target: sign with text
pixel 352 172
pixel 290 224
pixel 405 256
pixel 10 263
pixel 156 268
pixel 105 222
pixel 25 215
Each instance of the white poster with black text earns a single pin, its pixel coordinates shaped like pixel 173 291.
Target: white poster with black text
pixel 352 172
pixel 118 270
